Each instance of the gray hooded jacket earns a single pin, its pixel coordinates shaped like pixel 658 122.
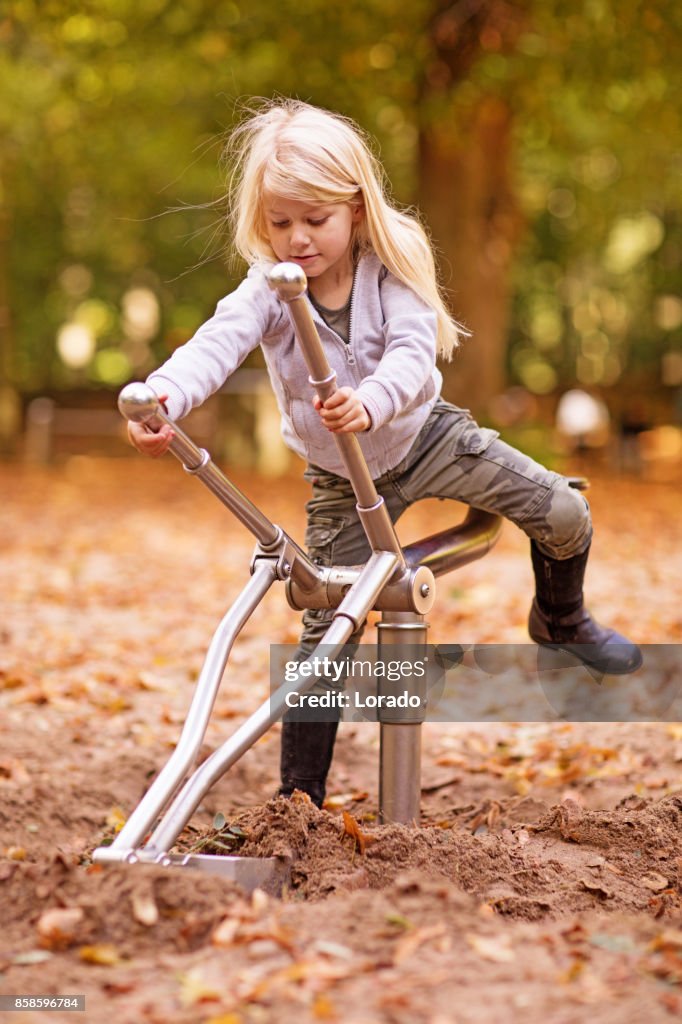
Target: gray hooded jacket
pixel 389 360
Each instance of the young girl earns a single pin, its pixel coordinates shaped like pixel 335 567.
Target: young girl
pixel 307 189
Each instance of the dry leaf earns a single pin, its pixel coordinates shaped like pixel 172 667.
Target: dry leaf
pixel 103 954
pixel 323 1008
pixel 196 987
pixel 498 950
pixel 597 888
pixel 668 938
pixel 573 972
pixel 116 819
pixel 351 828
pixel 145 909
pixel 15 853
pixel 654 881
pixel 33 956
pixel 60 927
pixel 225 932
pixel 407 945
pixel 259 901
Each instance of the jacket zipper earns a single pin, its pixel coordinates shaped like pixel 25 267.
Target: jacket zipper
pixel 350 355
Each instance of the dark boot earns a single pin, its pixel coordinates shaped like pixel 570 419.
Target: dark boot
pixel 306 755
pixel 559 619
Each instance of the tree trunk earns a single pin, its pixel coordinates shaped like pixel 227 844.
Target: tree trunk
pixel 465 190
pixel 467 201
pixel 10 405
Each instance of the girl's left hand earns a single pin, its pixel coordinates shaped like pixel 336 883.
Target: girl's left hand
pixel 343 412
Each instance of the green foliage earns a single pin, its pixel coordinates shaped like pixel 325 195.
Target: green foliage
pixel 112 114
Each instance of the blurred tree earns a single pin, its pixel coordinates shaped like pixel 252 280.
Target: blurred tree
pixel 537 137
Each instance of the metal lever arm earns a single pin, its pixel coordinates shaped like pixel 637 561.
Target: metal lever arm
pixel 175 771
pixel 353 610
pixel 289 281
pixel 140 404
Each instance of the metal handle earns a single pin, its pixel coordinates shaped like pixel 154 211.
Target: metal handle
pixel 140 404
pixel 289 281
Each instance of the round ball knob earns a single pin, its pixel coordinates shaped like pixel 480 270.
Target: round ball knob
pixel 137 402
pixel 288 280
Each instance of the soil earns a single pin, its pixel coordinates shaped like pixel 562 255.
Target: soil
pixel 543 883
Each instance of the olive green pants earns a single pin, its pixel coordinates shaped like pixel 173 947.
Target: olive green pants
pixel 452 457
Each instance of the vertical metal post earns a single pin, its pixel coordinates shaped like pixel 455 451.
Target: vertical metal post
pixel 400 739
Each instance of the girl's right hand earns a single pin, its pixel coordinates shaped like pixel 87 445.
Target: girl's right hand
pixel 151 442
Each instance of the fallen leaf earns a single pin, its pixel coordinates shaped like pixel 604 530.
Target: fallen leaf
pixel 33 956
pixel 407 945
pixel 15 853
pixel 225 933
pixel 145 909
pixel 654 881
pixel 669 937
pixel 498 950
pixel 323 1008
pixel 573 972
pixel 116 819
pixel 60 927
pixel 351 828
pixel 103 954
pixel 259 901
pixel 195 987
pixel 597 888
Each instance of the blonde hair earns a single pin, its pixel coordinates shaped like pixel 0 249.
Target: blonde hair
pixel 294 150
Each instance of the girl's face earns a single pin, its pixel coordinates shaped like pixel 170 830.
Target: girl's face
pixel 315 236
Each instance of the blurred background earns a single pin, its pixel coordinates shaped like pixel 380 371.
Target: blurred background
pixel 539 138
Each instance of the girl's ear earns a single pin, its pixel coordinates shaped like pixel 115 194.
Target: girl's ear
pixel 358 211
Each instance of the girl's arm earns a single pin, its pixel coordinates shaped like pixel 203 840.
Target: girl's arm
pixel 406 372
pixel 201 366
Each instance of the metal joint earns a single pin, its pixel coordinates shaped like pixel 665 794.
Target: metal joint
pixel 205 459
pixel 326 380
pixel 282 554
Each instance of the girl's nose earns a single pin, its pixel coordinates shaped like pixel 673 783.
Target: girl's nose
pixel 299 235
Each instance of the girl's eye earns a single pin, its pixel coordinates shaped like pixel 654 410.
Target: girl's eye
pixel 317 221
pixel 279 223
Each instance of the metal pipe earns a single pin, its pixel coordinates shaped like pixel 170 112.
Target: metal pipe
pixel 450 549
pixel 196 723
pixel 353 609
pixel 400 751
pixel 400 743
pixel 289 281
pixel 139 403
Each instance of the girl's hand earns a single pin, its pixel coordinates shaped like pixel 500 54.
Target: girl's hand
pixel 151 442
pixel 343 412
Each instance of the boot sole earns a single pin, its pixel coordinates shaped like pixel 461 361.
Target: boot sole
pixel 598 665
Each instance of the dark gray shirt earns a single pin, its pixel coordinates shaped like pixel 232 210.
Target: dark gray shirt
pixel 337 319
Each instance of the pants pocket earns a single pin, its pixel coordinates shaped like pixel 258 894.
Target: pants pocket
pixel 320 537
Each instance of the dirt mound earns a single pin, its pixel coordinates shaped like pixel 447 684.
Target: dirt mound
pixel 571 859
pixel 135 909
